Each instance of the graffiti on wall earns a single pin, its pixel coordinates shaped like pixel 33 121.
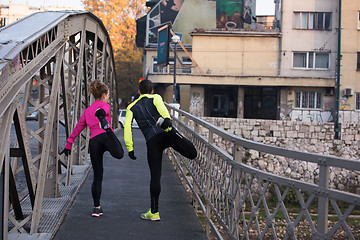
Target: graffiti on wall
pixel 228 14
pixel 233 13
pixel 311 116
pixel 344 104
pixel 169 9
pixel 329 104
pixel 196 104
pixel 247 12
pixel 165 12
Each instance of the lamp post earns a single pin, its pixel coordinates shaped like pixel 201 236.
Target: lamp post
pixel 337 125
pixel 175 39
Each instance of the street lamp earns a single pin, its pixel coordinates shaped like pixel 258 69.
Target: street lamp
pixel 337 125
pixel 175 39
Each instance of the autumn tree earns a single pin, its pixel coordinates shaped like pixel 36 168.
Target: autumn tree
pixel 118 17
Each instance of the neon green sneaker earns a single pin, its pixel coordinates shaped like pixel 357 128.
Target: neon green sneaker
pixel 151 216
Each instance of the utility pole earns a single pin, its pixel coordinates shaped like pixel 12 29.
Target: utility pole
pixel 337 125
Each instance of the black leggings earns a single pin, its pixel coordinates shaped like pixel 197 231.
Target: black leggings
pixel 155 147
pixel 98 145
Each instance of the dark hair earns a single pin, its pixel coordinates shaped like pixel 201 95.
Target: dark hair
pixel 145 86
pixel 97 89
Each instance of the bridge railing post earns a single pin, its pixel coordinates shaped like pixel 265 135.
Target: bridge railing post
pixel 208 183
pixel 196 189
pixel 235 191
pixel 174 112
pixel 197 128
pixel 323 203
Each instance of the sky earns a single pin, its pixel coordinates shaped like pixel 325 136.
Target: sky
pixel 38 3
pixel 263 7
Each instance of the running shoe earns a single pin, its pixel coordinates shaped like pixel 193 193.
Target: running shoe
pixel 97 212
pixel 151 216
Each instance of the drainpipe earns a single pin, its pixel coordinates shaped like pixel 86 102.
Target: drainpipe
pixel 337 125
pixel 278 19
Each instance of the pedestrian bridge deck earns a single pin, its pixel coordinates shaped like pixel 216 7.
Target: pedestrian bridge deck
pixel 125 195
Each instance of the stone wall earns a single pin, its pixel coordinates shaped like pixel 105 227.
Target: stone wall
pixel 303 136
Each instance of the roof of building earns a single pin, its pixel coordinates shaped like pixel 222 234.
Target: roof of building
pixel 236 32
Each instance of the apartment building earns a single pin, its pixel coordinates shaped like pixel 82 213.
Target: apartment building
pixel 350 61
pixel 287 72
pixel 309 48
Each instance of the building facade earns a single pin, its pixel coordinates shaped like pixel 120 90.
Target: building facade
pixel 350 60
pixel 12 12
pixel 286 72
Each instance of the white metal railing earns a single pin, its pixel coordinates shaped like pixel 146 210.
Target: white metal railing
pixel 250 203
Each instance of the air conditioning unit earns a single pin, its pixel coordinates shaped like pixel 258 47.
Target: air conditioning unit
pixel 329 91
pixel 348 92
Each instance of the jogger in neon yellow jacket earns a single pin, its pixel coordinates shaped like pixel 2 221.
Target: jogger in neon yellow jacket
pixel 147 110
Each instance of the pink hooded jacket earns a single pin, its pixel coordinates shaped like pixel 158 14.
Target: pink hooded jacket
pixel 89 119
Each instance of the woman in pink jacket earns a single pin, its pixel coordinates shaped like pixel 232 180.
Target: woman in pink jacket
pixel 102 138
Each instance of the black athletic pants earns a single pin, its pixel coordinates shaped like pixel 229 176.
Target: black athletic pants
pixel 98 145
pixel 155 147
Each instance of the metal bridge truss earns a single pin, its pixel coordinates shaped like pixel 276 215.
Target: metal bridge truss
pixel 247 202
pixel 46 70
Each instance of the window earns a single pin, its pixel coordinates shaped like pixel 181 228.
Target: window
pixel 181 67
pixel 312 20
pixel 311 60
pixel 218 102
pixel 304 20
pixel 296 20
pixel 300 60
pixel 327 21
pixel 358 61
pixel 186 65
pixel 358 22
pixel 158 68
pixel 312 100
pixel 155 67
pixel 320 21
pixel 2 22
pixel 321 60
pixel 357 101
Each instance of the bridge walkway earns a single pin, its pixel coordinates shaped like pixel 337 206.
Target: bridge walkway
pixel 125 196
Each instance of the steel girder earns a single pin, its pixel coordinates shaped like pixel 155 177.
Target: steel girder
pixel 48 72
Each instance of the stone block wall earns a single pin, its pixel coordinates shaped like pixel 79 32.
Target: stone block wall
pixel 315 137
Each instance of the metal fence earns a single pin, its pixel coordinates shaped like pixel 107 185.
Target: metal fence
pixel 242 202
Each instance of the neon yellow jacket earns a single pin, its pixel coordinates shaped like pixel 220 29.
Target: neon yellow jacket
pixel 146 110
